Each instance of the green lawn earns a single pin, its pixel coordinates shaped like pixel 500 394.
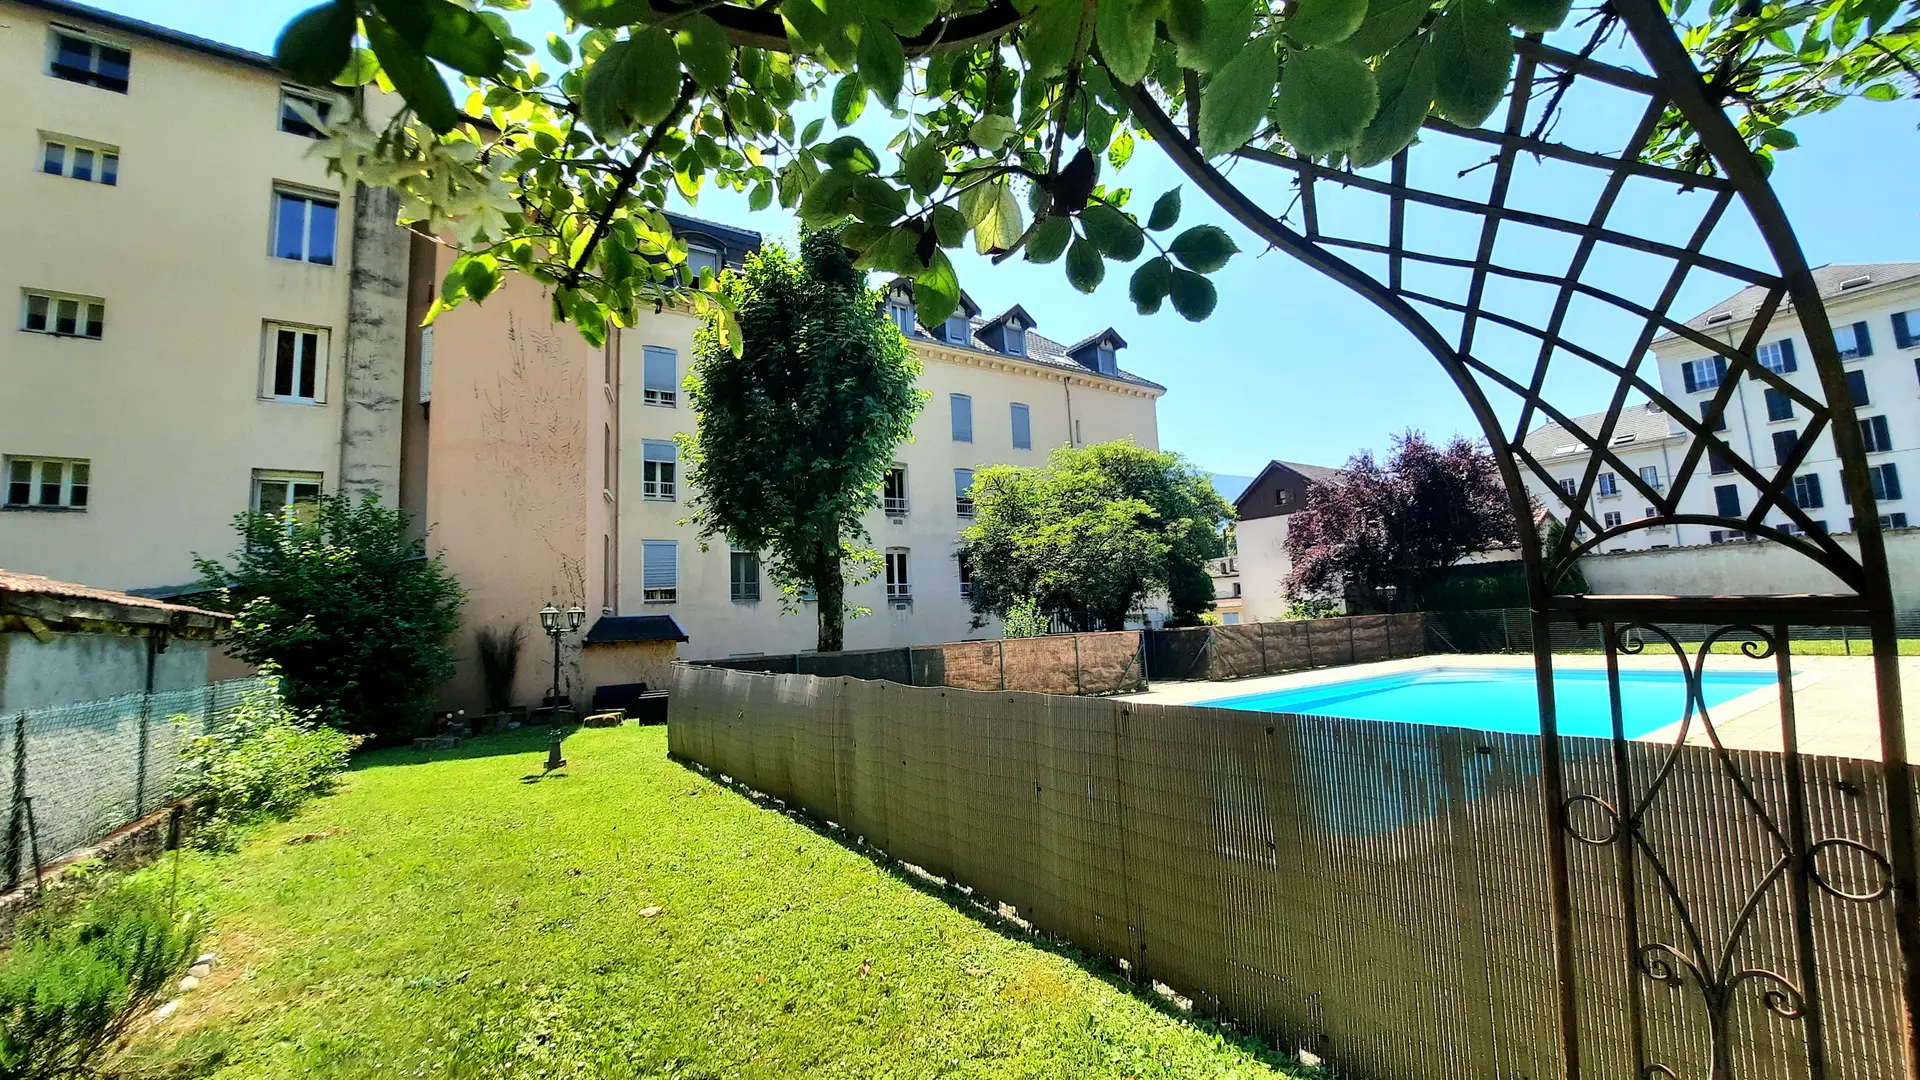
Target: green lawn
pixel 454 919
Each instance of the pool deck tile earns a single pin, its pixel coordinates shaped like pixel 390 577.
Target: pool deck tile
pixel 1833 696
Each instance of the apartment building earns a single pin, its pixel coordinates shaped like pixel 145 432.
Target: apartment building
pixel 204 320
pixel 1875 312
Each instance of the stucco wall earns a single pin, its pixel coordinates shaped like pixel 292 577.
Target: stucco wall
pixel 650 662
pixel 1747 569
pixel 1263 568
pixel 83 667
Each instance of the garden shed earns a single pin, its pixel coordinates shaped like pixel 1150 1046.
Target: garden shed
pixel 61 642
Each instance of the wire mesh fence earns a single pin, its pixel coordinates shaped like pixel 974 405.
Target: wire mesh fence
pixel 72 774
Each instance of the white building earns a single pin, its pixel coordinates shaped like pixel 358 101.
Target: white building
pixel 1262 560
pixel 1875 311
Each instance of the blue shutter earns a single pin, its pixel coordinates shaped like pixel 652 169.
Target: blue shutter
pixel 1727 500
pixel 650 450
pixel 1902 334
pixel 662 369
pixel 962 406
pixel 1787 364
pixel 1686 372
pixel 1889 483
pixel 1857 385
pixel 659 564
pixel 1022 428
pixel 1720 368
pixel 1862 340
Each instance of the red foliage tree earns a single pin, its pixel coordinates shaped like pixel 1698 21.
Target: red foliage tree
pixel 1400 523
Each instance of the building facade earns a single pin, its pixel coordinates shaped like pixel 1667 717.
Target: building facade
pixel 204 320
pixel 1875 312
pixel 1263 508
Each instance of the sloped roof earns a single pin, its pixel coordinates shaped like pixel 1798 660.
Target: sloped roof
pixel 619 629
pixel 155 32
pixel 1314 474
pixel 1044 350
pixel 1638 423
pixel 1826 278
pixel 71 607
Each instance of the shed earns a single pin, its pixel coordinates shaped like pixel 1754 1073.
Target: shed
pixel 62 642
pixel 622 649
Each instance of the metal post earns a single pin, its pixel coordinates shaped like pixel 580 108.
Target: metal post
pixel 1003 663
pixel 1264 666
pixel 1553 801
pixel 1076 664
pixel 16 817
pixel 554 760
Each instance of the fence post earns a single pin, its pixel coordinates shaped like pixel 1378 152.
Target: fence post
pixel 912 679
pixel 16 822
pixel 1264 666
pixel 1076 664
pixel 1506 626
pixel 140 757
pixel 1003 663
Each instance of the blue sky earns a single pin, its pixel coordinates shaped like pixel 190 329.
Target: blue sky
pixel 1292 365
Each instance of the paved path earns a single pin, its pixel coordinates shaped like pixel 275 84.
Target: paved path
pixel 1833 696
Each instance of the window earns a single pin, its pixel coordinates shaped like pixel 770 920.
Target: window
pixel 1022 427
pixel 609 466
pixel 1570 486
pixel 660 377
pixel 1229 618
pixel 303 113
pixel 1284 496
pixel 893 492
pixel 82 59
pixel 1236 588
pixel 1857 386
pixel 966 576
pixel 1779 405
pixel 1853 341
pixel 1610 519
pixel 1806 492
pixel 957 330
pixel 962 502
pixel 1784 443
pixel 61 156
pixel 288 496
pixel 62 315
pixel 701 257
pixel 47 483
pixel 426 365
pixel 304 227
pixel 659 571
pixel 1886 482
pixel 1726 499
pixel 659 464
pixel 1893 521
pixel 899 586
pixel 1715 421
pixel 1703 374
pixel 1650 476
pixel 1016 338
pixel 609 577
pixel 1777 357
pixel 901 312
pixel 962 408
pixel 1609 484
pixel 1874 434
pixel 1717 463
pixel 295 368
pixel 1905 325
pixel 743 575
pixel 1104 357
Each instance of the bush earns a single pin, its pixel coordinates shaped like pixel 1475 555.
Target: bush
pixel 1024 619
pixel 341 601
pixel 76 980
pixel 262 763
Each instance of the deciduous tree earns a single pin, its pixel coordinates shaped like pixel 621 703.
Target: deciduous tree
pixel 1092 532
pixel 796 430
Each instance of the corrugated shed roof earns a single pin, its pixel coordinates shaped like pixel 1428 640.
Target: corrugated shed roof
pixel 1828 279
pixel 1638 423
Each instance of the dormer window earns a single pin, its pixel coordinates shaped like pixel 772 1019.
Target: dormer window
pixel 1016 338
pixel 1109 364
pixel 957 331
pixel 901 312
pixel 699 257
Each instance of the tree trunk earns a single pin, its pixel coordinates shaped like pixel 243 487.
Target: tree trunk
pixel 830 593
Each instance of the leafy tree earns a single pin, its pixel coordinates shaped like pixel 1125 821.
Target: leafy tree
pixel 346 607
pixel 1401 523
pixel 796 429
pixel 1016 110
pixel 1091 533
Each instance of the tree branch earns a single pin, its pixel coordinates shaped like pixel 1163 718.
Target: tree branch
pixel 629 176
pixel 763 29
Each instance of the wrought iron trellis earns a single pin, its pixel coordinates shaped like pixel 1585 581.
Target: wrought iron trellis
pixel 1668 87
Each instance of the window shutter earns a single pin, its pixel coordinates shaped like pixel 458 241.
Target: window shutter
pixel 1783 444
pixel 962 480
pixel 1687 372
pixel 1727 500
pixel 1902 334
pixel 1862 340
pixel 1814 500
pixel 962 417
pixel 1022 428
pixel 1890 481
pixel 1787 363
pixel 659 564
pixel 662 369
pixel 650 450
pixel 1720 365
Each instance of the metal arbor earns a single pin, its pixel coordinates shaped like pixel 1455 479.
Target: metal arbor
pixel 1668 942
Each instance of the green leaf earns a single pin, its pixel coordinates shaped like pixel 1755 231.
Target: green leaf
pixel 606 12
pixel 1166 211
pixel 633 83
pixel 761 196
pixel 1881 92
pixel 1229 28
pixel 882 62
pixel 1051 35
pixel 704 48
pixel 1388 23
pixel 992 131
pixel 1472 61
pixel 811 133
pixel 1125 31
pixel 1233 103
pixel 411 19
pixel 1779 139
pixel 558 48
pixel 1121 151
pixel 924 166
pixel 936 290
pixel 1150 284
pixel 1327 98
pixel 849 100
pixel 1187 25
pixel 1085 267
pixel 949 226
pixel 361 69
pixel 1203 248
pixel 994 213
pixel 1049 239
pixel 1324 22
pixel 1193 295
pixel 1113 232
pixel 463 41
pixel 414 76
pixel 826 200
pixel 876 202
pixel 317 44
pixel 1538 16
pixel 850 152
pixel 1406 93
pixel 481 276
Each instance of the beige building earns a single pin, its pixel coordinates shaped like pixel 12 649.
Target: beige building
pixel 181 296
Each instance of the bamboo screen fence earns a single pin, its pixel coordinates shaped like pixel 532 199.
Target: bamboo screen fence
pixel 1372 892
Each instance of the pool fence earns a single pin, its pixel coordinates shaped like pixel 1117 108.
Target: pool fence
pixel 1375 894
pixel 1089 663
pixel 1510 630
pixel 1269 648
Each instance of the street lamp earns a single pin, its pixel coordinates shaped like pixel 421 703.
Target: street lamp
pixel 556 622
pixel 1389 592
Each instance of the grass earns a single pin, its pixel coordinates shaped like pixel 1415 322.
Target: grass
pixel 448 916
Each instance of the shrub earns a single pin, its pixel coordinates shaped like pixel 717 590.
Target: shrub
pixel 263 762
pixel 1024 619
pixel 76 979
pixel 499 663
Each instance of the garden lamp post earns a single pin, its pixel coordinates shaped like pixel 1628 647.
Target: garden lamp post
pixel 556 622
pixel 1388 592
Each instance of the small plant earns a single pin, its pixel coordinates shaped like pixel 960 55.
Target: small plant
pixel 1025 619
pixel 499 664
pixel 1312 607
pixel 263 762
pixel 76 979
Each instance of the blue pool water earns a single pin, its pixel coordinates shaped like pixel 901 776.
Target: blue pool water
pixel 1504 699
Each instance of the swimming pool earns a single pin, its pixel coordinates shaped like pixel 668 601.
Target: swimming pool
pixel 1504 699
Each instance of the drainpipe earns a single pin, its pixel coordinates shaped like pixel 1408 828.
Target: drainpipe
pixel 1066 384
pixel 156 644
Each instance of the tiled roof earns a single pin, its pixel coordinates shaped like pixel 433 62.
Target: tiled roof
pixel 1827 279
pixel 619 629
pixel 1638 423
pixel 1315 473
pixel 115 21
pixel 1044 350
pixel 42 603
